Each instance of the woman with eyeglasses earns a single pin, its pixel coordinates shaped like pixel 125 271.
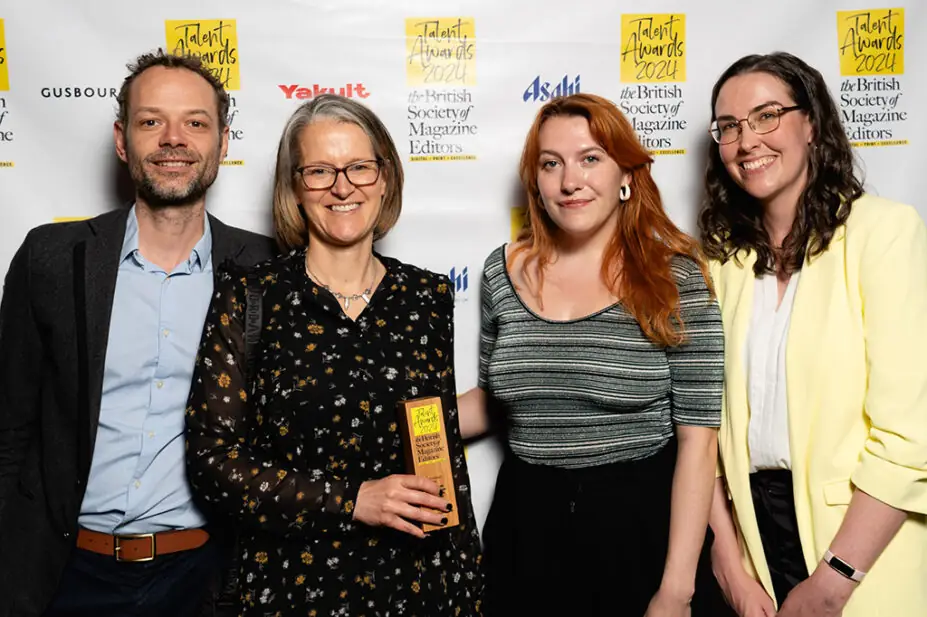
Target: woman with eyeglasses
pixel 304 448
pixel 823 293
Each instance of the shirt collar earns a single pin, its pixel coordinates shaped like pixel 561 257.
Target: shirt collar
pixel 130 240
pixel 200 257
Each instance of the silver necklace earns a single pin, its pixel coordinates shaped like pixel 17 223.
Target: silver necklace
pixel 344 298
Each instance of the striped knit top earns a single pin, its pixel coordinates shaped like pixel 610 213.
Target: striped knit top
pixel 595 390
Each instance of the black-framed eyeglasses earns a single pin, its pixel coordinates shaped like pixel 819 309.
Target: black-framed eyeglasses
pixel 761 121
pixel 323 177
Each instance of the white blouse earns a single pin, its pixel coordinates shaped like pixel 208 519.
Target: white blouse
pixel 768 435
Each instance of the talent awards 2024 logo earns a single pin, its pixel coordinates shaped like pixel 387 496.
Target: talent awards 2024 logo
pixel 4 69
pixel 871 50
pixel 440 66
pixel 653 59
pixel 215 42
pixel 6 131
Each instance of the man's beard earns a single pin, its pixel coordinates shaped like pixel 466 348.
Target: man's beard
pixel 157 193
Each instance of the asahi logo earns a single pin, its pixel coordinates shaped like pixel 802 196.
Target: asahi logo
pixel 539 90
pixel 460 277
pixel 460 281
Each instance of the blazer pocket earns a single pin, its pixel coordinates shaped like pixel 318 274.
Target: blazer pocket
pixel 838 492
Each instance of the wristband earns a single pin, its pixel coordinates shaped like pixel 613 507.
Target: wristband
pixel 842 567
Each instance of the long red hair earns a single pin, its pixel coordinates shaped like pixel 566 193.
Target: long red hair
pixel 636 264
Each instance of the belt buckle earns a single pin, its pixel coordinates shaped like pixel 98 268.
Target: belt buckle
pixel 117 548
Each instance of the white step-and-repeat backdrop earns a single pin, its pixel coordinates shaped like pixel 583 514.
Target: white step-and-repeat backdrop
pixel 458 84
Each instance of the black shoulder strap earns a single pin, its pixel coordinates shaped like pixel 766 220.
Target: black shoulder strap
pixel 224 597
pixel 252 322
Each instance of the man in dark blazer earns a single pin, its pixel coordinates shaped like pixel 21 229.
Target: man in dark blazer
pixel 99 327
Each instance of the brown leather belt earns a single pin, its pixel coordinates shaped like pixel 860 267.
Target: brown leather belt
pixel 141 547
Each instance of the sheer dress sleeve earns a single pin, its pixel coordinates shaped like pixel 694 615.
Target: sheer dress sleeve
pixel 228 468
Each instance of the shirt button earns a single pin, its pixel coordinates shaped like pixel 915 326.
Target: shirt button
pixel 138 483
pixel 151 434
pixel 160 384
pixel 165 332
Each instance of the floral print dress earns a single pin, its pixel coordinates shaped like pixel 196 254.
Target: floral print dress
pixel 287 450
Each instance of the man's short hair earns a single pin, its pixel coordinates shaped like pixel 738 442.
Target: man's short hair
pixel 172 61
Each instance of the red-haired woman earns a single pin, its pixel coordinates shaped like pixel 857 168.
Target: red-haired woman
pixel 601 342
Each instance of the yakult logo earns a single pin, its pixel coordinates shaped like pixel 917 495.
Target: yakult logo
pixel 296 91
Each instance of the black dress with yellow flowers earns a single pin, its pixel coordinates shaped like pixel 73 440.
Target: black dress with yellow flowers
pixel 286 451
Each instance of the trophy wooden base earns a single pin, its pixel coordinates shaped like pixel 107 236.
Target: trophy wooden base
pixel 424 440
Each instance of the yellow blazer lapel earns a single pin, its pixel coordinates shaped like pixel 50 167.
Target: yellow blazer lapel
pixel 735 294
pixel 806 354
pixel 737 308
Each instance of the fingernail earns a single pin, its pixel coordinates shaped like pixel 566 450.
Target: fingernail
pixel 449 507
pixel 444 520
pixel 441 492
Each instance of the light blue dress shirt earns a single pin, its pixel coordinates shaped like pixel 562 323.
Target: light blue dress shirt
pixel 138 481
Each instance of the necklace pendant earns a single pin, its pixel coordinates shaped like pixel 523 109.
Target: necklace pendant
pixel 365 298
pixel 347 303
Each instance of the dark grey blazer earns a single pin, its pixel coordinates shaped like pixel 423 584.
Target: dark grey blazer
pixel 54 324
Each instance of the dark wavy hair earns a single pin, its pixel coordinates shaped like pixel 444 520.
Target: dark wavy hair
pixel 732 220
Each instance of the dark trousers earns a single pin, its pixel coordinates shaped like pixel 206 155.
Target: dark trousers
pixel 774 502
pixel 585 542
pixel 173 585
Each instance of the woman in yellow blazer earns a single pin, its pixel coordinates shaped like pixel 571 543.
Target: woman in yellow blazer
pixel 823 293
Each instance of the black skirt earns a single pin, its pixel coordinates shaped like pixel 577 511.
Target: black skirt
pixel 588 541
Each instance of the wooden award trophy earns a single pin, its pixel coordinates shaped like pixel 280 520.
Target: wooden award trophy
pixel 424 440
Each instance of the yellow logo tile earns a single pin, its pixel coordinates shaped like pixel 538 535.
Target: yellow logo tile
pixel 519 216
pixel 440 51
pixel 653 48
pixel 69 219
pixel 426 420
pixel 871 42
pixel 4 70
pixel 213 40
